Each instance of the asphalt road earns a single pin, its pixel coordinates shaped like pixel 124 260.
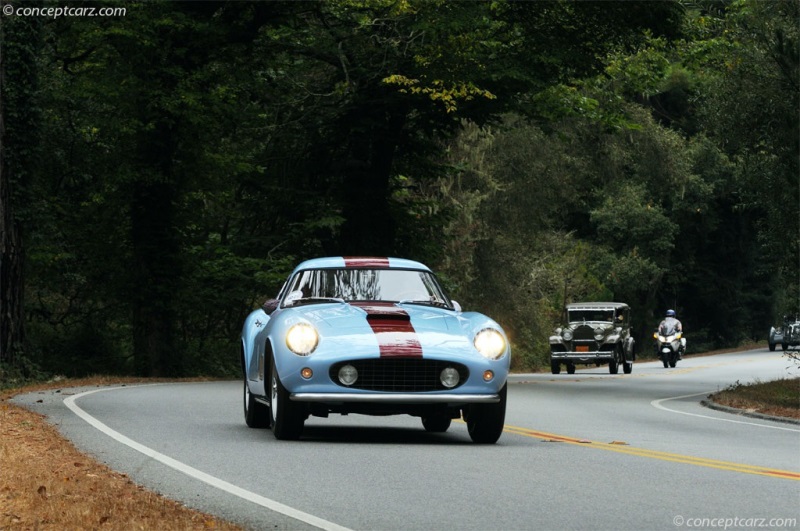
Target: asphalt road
pixel 584 451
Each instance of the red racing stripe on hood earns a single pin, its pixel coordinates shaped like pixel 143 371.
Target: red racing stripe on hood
pixel 393 330
pixel 358 261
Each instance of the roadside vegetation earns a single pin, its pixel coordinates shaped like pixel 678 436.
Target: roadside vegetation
pixel 163 171
pixel 780 398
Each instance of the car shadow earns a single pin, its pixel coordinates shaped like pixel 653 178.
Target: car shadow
pixel 381 435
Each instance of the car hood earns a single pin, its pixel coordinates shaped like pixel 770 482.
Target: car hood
pixel 426 330
pixel 355 315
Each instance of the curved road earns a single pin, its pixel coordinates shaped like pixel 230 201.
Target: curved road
pixel 583 451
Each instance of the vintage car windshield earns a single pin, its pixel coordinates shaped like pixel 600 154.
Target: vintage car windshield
pixel 348 284
pixel 591 315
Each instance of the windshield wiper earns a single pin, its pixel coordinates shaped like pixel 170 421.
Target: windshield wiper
pixel 424 302
pixel 313 300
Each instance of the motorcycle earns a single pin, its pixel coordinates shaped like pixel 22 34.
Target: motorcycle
pixel 669 346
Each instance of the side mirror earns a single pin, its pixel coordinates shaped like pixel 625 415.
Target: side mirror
pixel 270 306
pixel 456 306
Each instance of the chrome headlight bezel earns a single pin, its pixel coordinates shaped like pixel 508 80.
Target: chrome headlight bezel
pixel 490 343
pixel 567 335
pixel 302 339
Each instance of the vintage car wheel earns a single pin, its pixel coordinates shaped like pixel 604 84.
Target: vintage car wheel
pixel 570 368
pixel 784 346
pixel 256 414
pixel 613 365
pixel 627 367
pixel 436 423
pixel 287 417
pixel 555 367
pixel 772 347
pixel 485 421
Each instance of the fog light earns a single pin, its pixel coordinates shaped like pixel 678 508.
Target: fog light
pixel 306 373
pixel 449 377
pixel 348 375
pixel 488 376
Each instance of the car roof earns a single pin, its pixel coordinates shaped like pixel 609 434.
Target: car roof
pixel 359 262
pixel 596 306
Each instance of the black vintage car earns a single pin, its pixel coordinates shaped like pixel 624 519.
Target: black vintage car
pixel 595 333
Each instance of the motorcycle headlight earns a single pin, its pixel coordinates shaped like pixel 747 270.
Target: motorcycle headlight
pixel 490 343
pixel 302 339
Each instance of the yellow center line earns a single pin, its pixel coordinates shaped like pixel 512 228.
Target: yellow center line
pixel 623 448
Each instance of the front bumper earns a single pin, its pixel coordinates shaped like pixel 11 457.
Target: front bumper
pixel 582 357
pixel 395 398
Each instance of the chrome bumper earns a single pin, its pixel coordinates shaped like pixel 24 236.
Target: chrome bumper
pixel 394 398
pixel 587 357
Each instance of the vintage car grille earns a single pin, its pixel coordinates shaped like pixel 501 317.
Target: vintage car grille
pixel 401 375
pixel 583 333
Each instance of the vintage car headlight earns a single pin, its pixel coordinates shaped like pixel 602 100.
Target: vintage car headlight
pixel 490 343
pixel 567 335
pixel 599 333
pixel 302 339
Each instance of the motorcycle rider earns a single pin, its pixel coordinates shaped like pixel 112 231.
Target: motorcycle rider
pixel 671 322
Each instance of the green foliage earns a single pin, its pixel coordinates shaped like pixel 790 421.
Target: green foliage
pixel 533 153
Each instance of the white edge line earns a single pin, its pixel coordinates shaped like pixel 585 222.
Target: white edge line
pixel 657 404
pixel 197 474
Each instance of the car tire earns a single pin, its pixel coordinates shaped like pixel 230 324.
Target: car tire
pixel 570 368
pixel 485 422
pixel 555 367
pixel 286 416
pixel 785 346
pixel 627 367
pixel 613 365
pixel 772 347
pixel 436 423
pixel 256 414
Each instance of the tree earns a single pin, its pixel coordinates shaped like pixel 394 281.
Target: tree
pixel 20 43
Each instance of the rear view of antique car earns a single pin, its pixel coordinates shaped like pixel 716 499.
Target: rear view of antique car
pixel 594 333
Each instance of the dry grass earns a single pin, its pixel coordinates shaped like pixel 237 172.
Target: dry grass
pixel 780 398
pixel 46 484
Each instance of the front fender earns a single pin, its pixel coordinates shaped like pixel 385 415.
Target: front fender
pixel 253 344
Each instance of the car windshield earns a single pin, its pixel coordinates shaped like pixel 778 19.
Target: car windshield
pixel 591 315
pixel 348 284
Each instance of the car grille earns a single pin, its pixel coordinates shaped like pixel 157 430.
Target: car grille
pixel 583 332
pixel 400 375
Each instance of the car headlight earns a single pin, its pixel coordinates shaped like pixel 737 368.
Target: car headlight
pixel 302 339
pixel 567 335
pixel 490 343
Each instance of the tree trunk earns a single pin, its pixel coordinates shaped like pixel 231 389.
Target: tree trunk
pixel 155 254
pixel 20 39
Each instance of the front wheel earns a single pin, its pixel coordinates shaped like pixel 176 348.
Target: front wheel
pixel 613 365
pixel 256 414
pixel 570 368
pixel 485 421
pixel 627 367
pixel 772 347
pixel 287 417
pixel 555 367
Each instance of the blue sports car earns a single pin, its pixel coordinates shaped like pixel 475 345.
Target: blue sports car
pixel 375 336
